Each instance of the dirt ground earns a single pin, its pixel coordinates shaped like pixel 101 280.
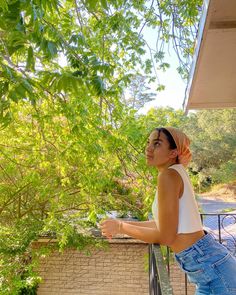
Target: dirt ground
pixel 225 192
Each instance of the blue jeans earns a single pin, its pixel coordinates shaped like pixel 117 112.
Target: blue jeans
pixel 210 266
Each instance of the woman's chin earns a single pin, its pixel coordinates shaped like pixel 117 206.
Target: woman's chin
pixel 149 162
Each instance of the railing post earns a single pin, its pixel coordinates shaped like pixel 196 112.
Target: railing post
pixel 158 275
pixel 154 288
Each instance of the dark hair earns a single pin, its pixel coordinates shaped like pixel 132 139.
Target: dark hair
pixel 168 136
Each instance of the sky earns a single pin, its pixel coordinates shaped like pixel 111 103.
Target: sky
pixel 174 92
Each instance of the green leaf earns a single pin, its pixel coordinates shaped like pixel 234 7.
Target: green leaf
pixel 92 216
pixel 104 4
pixel 52 48
pixel 6 119
pixel 91 5
pixel 4 5
pixel 164 66
pixel 159 55
pixel 30 63
pixel 17 38
pixel 4 86
pixel 161 87
pixel 98 85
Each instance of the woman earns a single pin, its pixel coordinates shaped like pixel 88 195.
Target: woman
pixel 177 222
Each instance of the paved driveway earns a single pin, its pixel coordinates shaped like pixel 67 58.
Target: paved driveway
pixel 222 226
pixel 214 206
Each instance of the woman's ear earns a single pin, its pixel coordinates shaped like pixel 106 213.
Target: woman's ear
pixel 174 153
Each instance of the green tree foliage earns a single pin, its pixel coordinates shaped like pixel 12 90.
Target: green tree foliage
pixel 138 93
pixel 101 40
pixel 214 146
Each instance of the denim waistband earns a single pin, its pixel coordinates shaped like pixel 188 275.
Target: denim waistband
pixel 201 244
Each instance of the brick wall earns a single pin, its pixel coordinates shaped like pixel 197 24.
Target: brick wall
pixel 117 271
pixel 120 270
pixel 177 280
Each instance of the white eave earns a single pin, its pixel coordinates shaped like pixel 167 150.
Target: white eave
pixel 212 79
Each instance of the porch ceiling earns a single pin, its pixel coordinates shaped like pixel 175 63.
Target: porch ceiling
pixel 212 82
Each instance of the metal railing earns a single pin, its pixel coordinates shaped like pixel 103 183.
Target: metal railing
pixel 221 225
pixel 159 283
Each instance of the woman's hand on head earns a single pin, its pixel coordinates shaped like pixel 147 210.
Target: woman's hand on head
pixel 110 227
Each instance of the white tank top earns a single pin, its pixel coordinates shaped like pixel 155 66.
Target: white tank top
pixel 189 217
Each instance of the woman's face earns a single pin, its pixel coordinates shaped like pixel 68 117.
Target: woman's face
pixel 157 151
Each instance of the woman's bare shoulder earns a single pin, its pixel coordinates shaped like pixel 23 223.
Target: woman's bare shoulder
pixel 171 181
pixel 169 175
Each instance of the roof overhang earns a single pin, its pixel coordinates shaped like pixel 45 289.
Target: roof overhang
pixel 212 79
